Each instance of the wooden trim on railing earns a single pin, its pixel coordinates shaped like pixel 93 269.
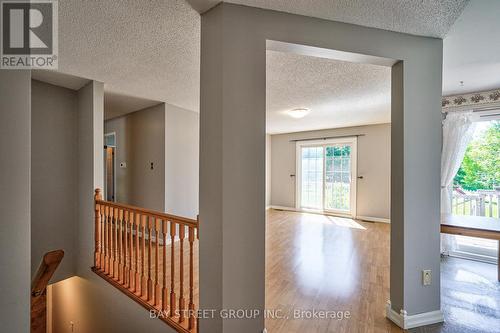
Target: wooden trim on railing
pixel 169 321
pixel 131 253
pixel 162 216
pixel 48 266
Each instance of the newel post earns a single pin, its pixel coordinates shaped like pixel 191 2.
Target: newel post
pixel 97 233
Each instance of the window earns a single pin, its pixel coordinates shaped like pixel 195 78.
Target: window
pixel 326 175
pixel 477 188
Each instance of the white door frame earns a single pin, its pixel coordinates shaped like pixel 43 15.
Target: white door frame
pixel 353 141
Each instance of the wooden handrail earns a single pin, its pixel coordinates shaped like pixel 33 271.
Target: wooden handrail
pixel 143 253
pixel 48 266
pixel 159 215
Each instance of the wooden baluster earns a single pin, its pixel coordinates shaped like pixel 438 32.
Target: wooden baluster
pixel 157 262
pixel 131 272
pixel 191 317
pixel 491 205
pixel 150 253
pixel 103 238
pixel 182 302
pixel 164 296
pixel 115 266
pixel 120 245
pixel 498 209
pixel 106 239
pixel 97 234
pixel 143 256
pixel 172 269
pixel 125 248
pixel 137 280
pixel 111 242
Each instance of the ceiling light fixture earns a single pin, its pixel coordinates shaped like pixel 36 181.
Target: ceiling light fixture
pixel 298 113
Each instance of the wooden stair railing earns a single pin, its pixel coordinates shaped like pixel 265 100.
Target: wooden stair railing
pixel 47 267
pixel 142 253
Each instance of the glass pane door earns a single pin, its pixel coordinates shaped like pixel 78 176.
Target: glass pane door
pixel 338 178
pixel 311 192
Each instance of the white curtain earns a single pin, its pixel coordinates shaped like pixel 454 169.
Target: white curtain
pixel 458 129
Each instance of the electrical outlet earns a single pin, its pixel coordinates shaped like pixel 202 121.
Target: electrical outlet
pixel 426 277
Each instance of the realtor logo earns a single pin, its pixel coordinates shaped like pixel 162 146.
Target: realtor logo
pixel 29 34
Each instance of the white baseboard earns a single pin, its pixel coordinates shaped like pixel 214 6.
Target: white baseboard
pixel 364 218
pixel 292 209
pixel 373 219
pixel 405 321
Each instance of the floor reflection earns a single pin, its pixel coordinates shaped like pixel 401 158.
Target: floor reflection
pixel 470 297
pixel 329 263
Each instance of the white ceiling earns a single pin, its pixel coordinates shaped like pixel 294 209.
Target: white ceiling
pixel 151 49
pixel 418 17
pixel 59 79
pixel 339 93
pixel 116 105
pixel 148 48
pixel 471 50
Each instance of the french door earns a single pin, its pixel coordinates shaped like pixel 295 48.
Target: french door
pixel 326 176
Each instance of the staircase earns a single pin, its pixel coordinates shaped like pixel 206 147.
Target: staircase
pixel 48 266
pixel 150 256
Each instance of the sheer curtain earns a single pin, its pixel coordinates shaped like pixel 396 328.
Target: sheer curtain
pixel 458 129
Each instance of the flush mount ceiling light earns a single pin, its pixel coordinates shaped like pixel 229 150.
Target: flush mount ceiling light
pixel 298 113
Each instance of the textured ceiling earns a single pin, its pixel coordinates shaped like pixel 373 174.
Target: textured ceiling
pixel 151 49
pixel 418 17
pixel 339 93
pixel 148 48
pixel 59 79
pixel 116 105
pixel 471 50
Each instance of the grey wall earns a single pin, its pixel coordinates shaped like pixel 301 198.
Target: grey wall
pixel 182 137
pixel 15 146
pixel 374 151
pixel 92 304
pixel 232 260
pixel 140 140
pixel 53 175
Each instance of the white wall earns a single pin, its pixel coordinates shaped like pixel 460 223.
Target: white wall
pixel 182 136
pixel 53 175
pixel 15 149
pixel 374 164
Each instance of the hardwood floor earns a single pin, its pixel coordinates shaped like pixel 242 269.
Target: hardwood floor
pixel 327 263
pixel 316 262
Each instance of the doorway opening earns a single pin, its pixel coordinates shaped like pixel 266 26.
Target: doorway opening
pixel 324 131
pixel 109 166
